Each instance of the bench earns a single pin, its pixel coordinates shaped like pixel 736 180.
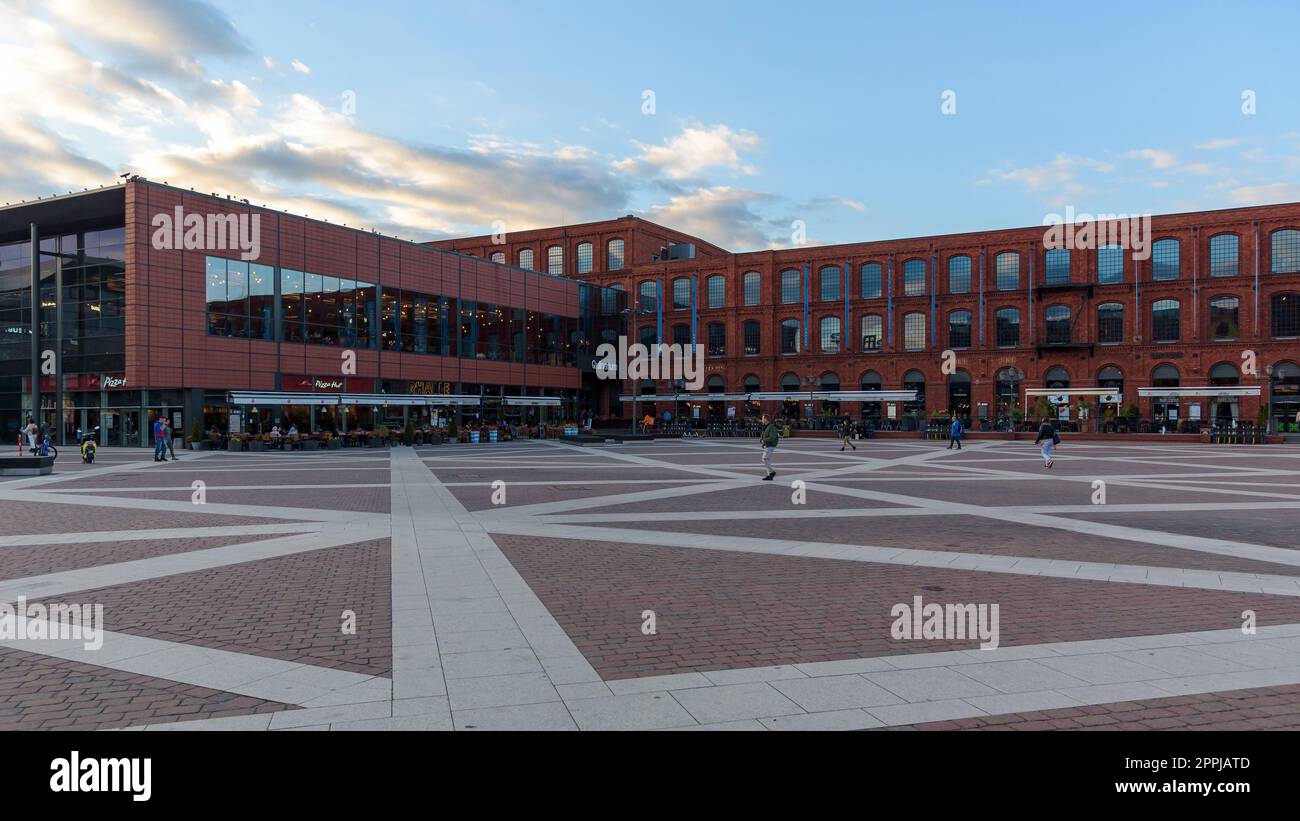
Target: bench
pixel 26 465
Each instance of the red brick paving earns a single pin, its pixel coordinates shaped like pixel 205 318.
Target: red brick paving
pixel 27 518
pixel 720 610
pixel 1034 491
pixel 216 478
pixel 1277 528
pixel 286 608
pixel 774 495
pixel 1263 708
pixel 33 560
pixel 359 499
pixel 972 534
pixel 42 693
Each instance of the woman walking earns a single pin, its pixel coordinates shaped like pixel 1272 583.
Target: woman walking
pixel 1048 438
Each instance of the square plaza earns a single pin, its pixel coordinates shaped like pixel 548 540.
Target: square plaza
pixel 660 585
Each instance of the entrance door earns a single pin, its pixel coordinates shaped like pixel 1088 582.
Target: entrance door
pixel 128 432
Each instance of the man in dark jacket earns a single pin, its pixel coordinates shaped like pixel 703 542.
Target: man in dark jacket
pixel 768 440
pixel 1048 439
pixel 846 434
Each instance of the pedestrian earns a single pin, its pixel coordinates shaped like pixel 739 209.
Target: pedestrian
pixel 1048 438
pixel 159 440
pixel 846 434
pixel 168 435
pixel 954 434
pixel 30 430
pixel 768 440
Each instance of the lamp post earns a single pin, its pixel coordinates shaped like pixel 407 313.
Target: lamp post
pixel 1268 419
pixel 636 388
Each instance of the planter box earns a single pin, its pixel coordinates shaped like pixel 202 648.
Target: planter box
pixel 334 444
pixel 374 441
pixel 255 445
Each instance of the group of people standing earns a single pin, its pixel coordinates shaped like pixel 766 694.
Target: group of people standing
pixel 162 439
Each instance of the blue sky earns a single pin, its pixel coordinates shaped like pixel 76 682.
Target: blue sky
pixel 764 113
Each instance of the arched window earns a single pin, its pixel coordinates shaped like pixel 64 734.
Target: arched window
pixel 915 381
pixel 1057 268
pixel 751 384
pixel 1165 376
pixel 614 255
pixel 716 334
pixel 959 329
pixel 1007 321
pixel 681 335
pixel 829 334
pixel 1111 378
pixel 829 381
pixel 872 280
pixel 870 381
pixel 1110 323
pixel 789 383
pixel 753 287
pixel 717 290
pixel 1110 265
pixel 649 296
pixel 914 277
pixel 1225 374
pixel 526 259
pixel 1284 254
pixel 914 332
pixel 789 336
pixel 1007 388
pixel 681 294
pixel 1285 309
pixel 1164 320
pixel 752 334
pixel 499 257
pixel 610 299
pixel 1164 260
pixel 1224 255
pixel 584 258
pixel 1007 270
pixel 1224 318
pixel 555 260
pixel 1058 325
pixel 715 384
pixel 791 287
pixel 828 279
pixel 873 330
pixel 959 268
pixel 1057 378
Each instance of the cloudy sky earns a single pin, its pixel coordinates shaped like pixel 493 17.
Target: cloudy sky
pixel 727 120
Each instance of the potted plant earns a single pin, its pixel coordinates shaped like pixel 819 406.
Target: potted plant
pixel 378 436
pixel 1108 419
pixel 408 435
pixel 196 435
pixel 1131 415
pixel 255 443
pixel 235 442
pixel 453 430
pixel 332 442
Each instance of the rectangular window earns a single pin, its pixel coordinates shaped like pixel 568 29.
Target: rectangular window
pixel 717 339
pixel 872 280
pixel 1110 265
pixel 914 332
pixel 717 291
pixel 752 334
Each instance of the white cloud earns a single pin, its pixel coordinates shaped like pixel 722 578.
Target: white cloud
pixel 1157 158
pixel 269 63
pixel 1265 194
pixel 1219 143
pixel 696 149
pixel 301 67
pixel 720 214
pixel 1062 178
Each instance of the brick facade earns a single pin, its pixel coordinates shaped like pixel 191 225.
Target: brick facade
pixel 1136 357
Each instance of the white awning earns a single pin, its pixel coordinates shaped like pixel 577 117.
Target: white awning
pixel 373 399
pixel 1212 391
pixel 1068 391
pixel 777 396
pixel 532 401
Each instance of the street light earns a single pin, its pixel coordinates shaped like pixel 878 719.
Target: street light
pixel 636 389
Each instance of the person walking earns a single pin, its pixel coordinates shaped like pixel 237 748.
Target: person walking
pixel 954 434
pixel 159 440
pixel 768 440
pixel 168 435
pixel 846 434
pixel 1048 438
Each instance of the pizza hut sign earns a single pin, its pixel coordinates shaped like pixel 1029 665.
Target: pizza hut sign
pixel 327 384
pixel 110 382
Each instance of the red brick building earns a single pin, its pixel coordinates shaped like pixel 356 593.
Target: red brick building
pixel 1164 335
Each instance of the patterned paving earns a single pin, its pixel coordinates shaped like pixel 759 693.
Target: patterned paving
pixel 660 586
